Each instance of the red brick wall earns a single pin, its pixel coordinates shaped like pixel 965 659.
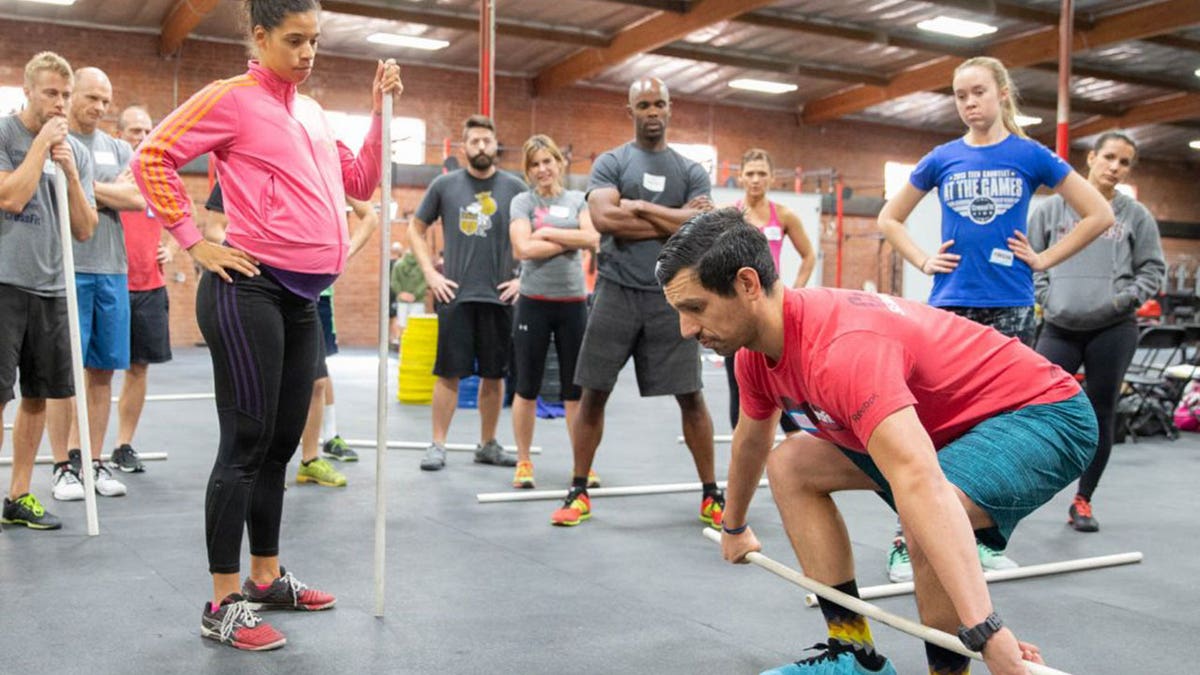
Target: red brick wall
pixel 589 120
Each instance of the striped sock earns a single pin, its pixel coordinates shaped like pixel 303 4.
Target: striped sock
pixel 850 628
pixel 946 662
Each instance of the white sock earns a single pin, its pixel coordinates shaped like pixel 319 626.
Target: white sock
pixel 329 423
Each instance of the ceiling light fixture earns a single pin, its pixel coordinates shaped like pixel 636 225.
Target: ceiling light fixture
pixel 763 86
pixel 1195 145
pixel 63 3
pixel 1027 120
pixel 412 42
pixel 962 28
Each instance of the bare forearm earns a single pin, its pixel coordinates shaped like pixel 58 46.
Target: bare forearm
pixel 897 235
pixel 806 269
pixel 748 457
pixel 1087 230
pixel 538 250
pixel 666 219
pixel 18 187
pixel 120 196
pixel 570 238
pixel 420 247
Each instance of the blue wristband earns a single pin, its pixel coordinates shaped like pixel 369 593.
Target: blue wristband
pixel 736 530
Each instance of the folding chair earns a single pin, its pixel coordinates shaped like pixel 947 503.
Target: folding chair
pixel 1149 395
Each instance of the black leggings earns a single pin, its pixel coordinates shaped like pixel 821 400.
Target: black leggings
pixel 263 340
pixel 735 402
pixel 1105 354
pixel 534 322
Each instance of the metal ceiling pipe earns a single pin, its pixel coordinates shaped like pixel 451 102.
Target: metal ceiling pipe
pixel 1066 22
pixel 487 56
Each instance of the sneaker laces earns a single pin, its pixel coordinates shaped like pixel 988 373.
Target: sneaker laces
pixel 1083 508
pixel 101 471
pixel 573 495
pixel 899 553
pixel 829 653
pixel 67 475
pixel 237 614
pixel 294 585
pixel 30 502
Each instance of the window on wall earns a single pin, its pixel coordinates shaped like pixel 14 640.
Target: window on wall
pixel 12 99
pixel 408 135
pixel 895 175
pixel 701 153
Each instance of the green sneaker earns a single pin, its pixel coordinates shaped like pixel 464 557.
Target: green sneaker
pixel 321 472
pixel 991 559
pixel 28 511
pixel 336 448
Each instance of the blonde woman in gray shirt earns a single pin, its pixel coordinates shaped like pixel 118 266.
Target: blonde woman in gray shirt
pixel 1089 300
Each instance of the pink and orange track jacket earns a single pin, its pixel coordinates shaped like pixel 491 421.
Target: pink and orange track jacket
pixel 284 176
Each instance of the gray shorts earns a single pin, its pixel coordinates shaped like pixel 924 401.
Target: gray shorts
pixel 626 321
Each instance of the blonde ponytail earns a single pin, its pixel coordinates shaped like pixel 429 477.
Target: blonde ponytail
pixel 1008 104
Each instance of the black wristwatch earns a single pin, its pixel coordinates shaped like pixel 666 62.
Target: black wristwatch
pixel 977 636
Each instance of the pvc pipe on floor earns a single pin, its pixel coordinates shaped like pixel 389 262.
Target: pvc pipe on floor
pixel 993 576
pixel 931 635
pixel 66 242
pixel 49 459
pixel 626 491
pixel 174 397
pixel 421 445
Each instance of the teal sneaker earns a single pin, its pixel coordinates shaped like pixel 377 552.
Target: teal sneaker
pixel 336 448
pixel 899 564
pixel 835 658
pixel 991 559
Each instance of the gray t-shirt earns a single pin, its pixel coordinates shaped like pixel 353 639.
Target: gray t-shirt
pixel 474 216
pixel 30 252
pixel 666 178
pixel 104 253
pixel 559 276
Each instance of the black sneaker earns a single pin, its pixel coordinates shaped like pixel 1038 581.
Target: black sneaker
pixel 1080 515
pixel 336 448
pixel 28 511
pixel 126 459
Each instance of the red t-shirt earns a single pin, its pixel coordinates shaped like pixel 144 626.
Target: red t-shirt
pixel 143 232
pixel 850 359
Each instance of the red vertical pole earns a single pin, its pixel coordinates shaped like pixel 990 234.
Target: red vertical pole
pixel 487 56
pixel 445 152
pixel 1066 21
pixel 837 277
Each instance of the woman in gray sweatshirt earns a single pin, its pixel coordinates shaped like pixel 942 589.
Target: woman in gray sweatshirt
pixel 1089 300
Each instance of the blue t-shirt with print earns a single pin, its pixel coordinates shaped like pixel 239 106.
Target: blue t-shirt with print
pixel 985 193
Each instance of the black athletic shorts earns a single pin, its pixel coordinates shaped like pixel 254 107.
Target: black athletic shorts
pixel 473 338
pixel 328 338
pixel 149 326
pixel 34 339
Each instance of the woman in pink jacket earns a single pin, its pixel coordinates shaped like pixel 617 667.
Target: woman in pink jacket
pixel 284 177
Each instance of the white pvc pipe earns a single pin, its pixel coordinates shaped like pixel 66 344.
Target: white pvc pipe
pixel 49 459
pixel 931 635
pixel 174 397
pixel 422 445
pixel 726 438
pixel 381 376
pixel 627 491
pixel 993 576
pixel 81 414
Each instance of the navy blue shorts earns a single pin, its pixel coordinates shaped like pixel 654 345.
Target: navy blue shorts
pixel 1013 463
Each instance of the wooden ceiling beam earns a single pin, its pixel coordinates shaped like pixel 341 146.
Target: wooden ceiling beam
pixel 1010 10
pixel 1168 83
pixel 739 59
pixel 1176 41
pixel 648 35
pixel 1035 47
pixel 853 32
pixel 1174 108
pixel 179 21
pixel 467 22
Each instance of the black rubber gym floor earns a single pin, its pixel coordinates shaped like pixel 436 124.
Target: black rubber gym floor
pixel 493 588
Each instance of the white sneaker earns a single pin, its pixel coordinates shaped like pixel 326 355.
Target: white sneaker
pixel 66 485
pixel 991 559
pixel 106 485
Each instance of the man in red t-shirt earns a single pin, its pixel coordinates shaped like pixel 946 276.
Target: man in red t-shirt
pixel 958 427
pixel 149 314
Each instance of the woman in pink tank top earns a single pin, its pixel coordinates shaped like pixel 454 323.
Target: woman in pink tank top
pixel 776 222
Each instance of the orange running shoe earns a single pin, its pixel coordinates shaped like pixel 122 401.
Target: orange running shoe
pixel 576 509
pixel 712 509
pixel 593 479
pixel 523 476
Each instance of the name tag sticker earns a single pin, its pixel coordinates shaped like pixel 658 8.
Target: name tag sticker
pixel 773 233
pixel 654 183
pixel 1001 257
pixel 48 167
pixel 105 157
pixel 559 211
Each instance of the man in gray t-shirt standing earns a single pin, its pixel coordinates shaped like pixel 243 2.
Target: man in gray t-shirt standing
pixel 102 287
pixel 34 338
pixel 475 289
pixel 638 195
